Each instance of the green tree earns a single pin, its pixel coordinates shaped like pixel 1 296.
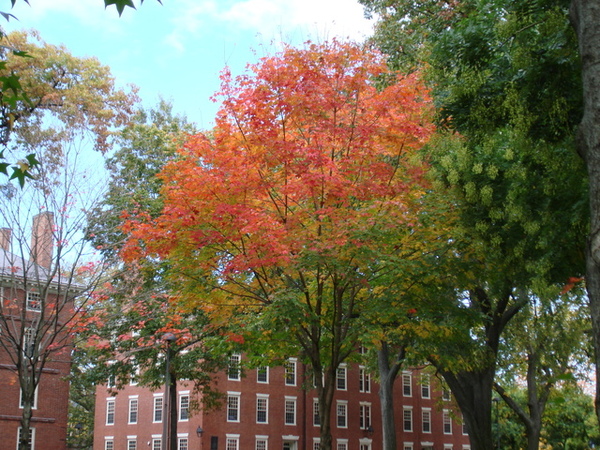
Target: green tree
pixel 543 345
pixel 508 158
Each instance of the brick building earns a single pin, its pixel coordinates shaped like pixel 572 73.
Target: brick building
pixel 268 409
pixel 33 305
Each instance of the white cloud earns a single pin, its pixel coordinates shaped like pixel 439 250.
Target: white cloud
pixel 278 20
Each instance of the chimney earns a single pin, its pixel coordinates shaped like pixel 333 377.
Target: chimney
pixel 42 239
pixel 5 234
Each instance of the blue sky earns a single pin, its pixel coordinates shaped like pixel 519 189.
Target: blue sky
pixel 177 50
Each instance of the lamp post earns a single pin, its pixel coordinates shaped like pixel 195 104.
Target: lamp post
pixel 167 406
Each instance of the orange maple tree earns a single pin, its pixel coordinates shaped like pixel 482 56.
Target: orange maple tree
pixel 287 208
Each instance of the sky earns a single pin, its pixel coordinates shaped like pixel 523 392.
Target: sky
pixel 177 50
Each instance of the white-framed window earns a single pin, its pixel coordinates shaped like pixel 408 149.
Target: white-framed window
pixel 447 421
pixel 133 409
pixel 342 444
pixel 35 398
pixel 290 443
pixel 157 413
pixel 110 411
pixel 182 443
pixel 133 380
pixel 364 380
pixel 316 444
pixel 29 341
pixel 31 440
pixel 232 442
pixel 34 301
pixel 465 429
pixel 184 407
pixel 131 443
pixel 341 378
pixel 290 372
pixel 290 411
pixel 262 374
pixel 341 409
pixel 406 384
pixel 233 407
pixel 364 416
pixel 109 443
pixel 407 419
pixel 448 446
pixel 425 386
pixel 407 446
pixel 234 368
pixel 261 443
pixel 426 420
pixel 446 394
pixel 156 443
pixel 262 408
pixel 426 445
pixel 316 414
pixel 365 444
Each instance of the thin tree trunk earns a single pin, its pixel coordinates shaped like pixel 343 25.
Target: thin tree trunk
pixel 387 376
pixel 585 17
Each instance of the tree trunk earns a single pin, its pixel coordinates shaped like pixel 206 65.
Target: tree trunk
pixel 387 376
pixel 325 393
pixel 585 17
pixel 473 393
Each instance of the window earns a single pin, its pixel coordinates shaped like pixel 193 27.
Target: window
pixel 262 374
pixel 316 415
pixel 407 384
pixel 110 411
pixel 109 444
pixel 184 407
pixel 29 341
pixel 447 421
pixel 448 446
pixel 158 409
pixel 290 410
pixel 131 444
pixel 182 443
pixel 365 444
pixel 407 419
pixel 342 444
pixel 261 443
pixel 35 399
pixel 233 407
pixel 446 395
pixel 232 442
pixel 341 378
pixel 133 410
pixel 408 446
pixel 262 408
pixel 364 380
pixel 30 441
pixel 233 370
pixel 342 414
pixel 426 420
pixel 290 372
pixel 425 386
pixel 465 429
pixel 365 416
pixel 316 444
pixel 34 302
pixel 156 444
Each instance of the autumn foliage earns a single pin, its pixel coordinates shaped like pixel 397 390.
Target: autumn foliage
pixel 310 180
pixel 308 157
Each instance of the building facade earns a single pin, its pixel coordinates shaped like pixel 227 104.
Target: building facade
pixel 32 307
pixel 268 409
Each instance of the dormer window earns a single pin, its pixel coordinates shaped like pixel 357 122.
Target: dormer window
pixel 34 301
